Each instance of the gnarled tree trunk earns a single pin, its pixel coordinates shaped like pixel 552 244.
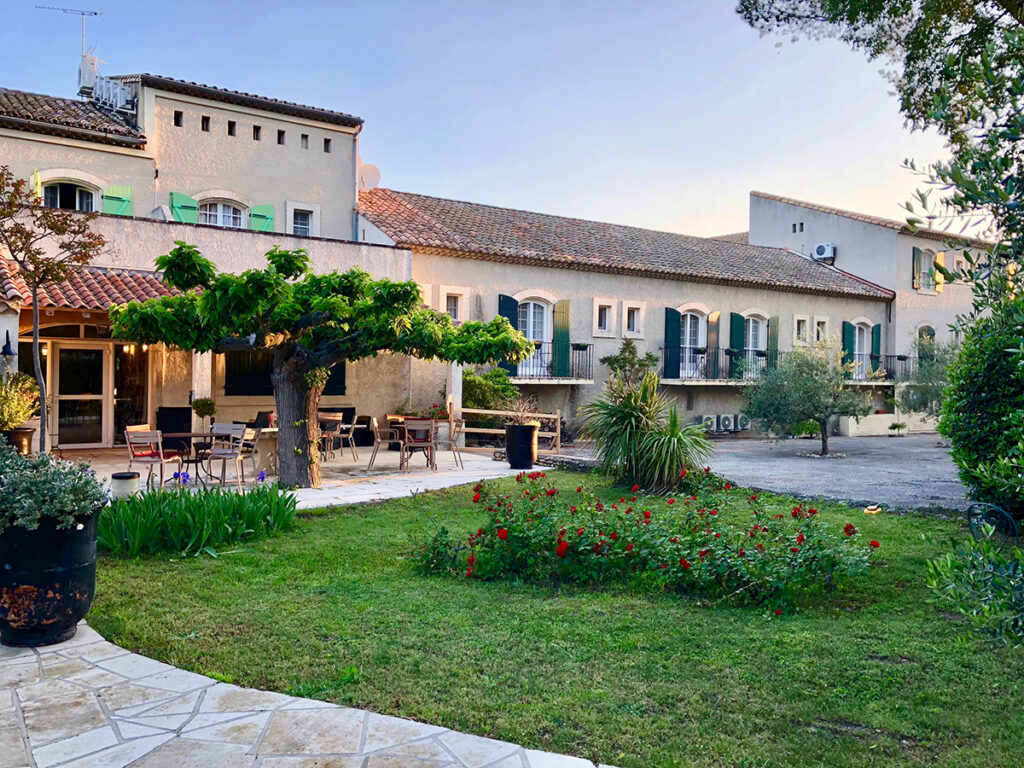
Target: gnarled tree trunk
pixel 823 426
pixel 297 394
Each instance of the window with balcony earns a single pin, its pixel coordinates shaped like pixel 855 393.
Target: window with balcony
pixel 221 214
pixel 69 196
pixel 693 335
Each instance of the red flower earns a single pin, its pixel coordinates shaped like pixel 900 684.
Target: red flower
pixel 742 552
pixel 561 549
pixel 579 532
pixel 706 470
pixel 718 535
pixel 597 547
pixel 799 538
pixel 753 497
pixel 632 498
pixel 614 536
pixel 683 473
pixel 573 509
pixel 579 489
pixel 812 511
pixel 796 512
pixel 778 611
pixel 503 533
pixel 702 554
pixel 849 530
pixel 636 488
pixel 665 565
pixel 795 549
pixel 552 491
pixel 476 497
pixel 875 544
pixel 714 511
pixel 685 563
pixel 647 514
pixel 629 547
pixel 671 501
pixel 727 486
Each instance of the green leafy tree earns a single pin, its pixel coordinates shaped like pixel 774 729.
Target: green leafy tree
pixel 923 391
pixel 309 323
pixel 809 384
pixel 932 46
pixel 628 364
pixel 47 244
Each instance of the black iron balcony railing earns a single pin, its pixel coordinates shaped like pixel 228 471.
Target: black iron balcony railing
pixel 557 360
pixel 713 364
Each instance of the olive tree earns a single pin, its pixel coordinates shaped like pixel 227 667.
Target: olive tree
pixel 809 384
pixel 309 323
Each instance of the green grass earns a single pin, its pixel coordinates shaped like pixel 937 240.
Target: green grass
pixel 333 610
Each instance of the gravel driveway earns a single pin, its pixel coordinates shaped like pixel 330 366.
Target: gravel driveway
pixel 910 472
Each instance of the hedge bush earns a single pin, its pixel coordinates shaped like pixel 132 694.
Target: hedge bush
pixel 719 544
pixel 983 411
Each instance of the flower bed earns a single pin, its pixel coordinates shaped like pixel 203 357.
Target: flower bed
pixel 716 543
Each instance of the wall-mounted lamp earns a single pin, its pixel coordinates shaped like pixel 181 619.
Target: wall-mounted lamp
pixel 8 350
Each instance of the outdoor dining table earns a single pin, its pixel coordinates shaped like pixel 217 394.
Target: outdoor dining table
pixel 192 452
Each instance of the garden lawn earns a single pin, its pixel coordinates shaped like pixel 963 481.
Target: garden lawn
pixel 334 610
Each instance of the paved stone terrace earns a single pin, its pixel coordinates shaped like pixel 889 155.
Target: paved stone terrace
pixel 87 703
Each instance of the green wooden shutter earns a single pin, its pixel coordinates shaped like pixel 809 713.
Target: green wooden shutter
pixel 560 340
pixel 184 208
pixel 712 359
pixel 849 343
pixel 737 341
pixel 261 218
pixel 117 201
pixel 917 266
pixel 773 342
pixel 673 343
pixel 509 309
pixel 876 346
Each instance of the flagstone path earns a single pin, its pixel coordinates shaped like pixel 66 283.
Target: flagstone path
pixel 88 703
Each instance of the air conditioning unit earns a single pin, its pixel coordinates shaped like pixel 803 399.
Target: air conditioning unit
pixel 742 421
pixel 710 423
pixel 727 422
pixel 825 252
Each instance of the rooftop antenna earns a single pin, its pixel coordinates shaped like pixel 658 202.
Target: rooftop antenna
pixel 74 11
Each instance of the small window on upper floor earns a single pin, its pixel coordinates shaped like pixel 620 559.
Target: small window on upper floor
pixel 256 133
pixel 820 330
pixel 221 215
pixel 801 226
pixel 453 306
pixel 179 118
pixel 70 197
pixel 604 315
pixel 633 319
pixel 794 228
pixel 231 127
pixel 801 332
pixel 304 141
pixel 280 137
pixel 302 223
pixel 327 145
pixel 204 123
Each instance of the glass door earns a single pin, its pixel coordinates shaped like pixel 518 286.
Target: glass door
pixel 130 373
pixel 533 325
pixel 80 395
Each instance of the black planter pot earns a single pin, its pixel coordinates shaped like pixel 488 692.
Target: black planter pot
pixel 521 445
pixel 20 438
pixel 47 581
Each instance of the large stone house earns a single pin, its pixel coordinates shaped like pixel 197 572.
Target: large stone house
pixel 163 160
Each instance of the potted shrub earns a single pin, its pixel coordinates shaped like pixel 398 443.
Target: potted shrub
pixel 19 402
pixel 205 408
pixel 521 430
pixel 48 514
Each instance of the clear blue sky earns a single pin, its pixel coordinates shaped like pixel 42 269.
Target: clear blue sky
pixel 657 114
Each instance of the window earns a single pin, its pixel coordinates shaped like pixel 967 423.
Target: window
pixel 221 214
pixel 304 141
pixel 801 330
pixel 755 334
pixel 327 146
pixel 179 118
pixel 255 133
pixel 633 319
pixel 453 306
pixel 247 373
pixel 280 137
pixel 794 227
pixel 204 123
pixel 861 350
pixel 302 223
pixel 533 324
pixel 231 127
pixel 924 270
pixel 69 197
pixel 693 336
pixel 801 226
pixel 820 329
pixel 604 314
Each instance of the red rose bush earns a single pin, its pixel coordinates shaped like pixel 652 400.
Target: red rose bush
pixel 718 544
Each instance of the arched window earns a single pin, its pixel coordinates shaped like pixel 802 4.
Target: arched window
pixel 70 196
pixel 693 333
pixel 925 342
pixel 755 342
pixel 221 214
pixel 534 324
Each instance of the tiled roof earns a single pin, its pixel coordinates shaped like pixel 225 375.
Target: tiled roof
pixel 734 237
pixel 54 115
pixel 900 226
pixel 215 93
pixel 97 288
pixel 504 234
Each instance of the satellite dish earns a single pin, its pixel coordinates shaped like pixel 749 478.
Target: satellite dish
pixel 369 177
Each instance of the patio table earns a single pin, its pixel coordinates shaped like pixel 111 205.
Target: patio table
pixel 193 452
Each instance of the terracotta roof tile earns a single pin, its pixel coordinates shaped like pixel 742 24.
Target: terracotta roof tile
pixel 97 288
pixel 734 237
pixel 900 226
pixel 504 234
pixel 55 115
